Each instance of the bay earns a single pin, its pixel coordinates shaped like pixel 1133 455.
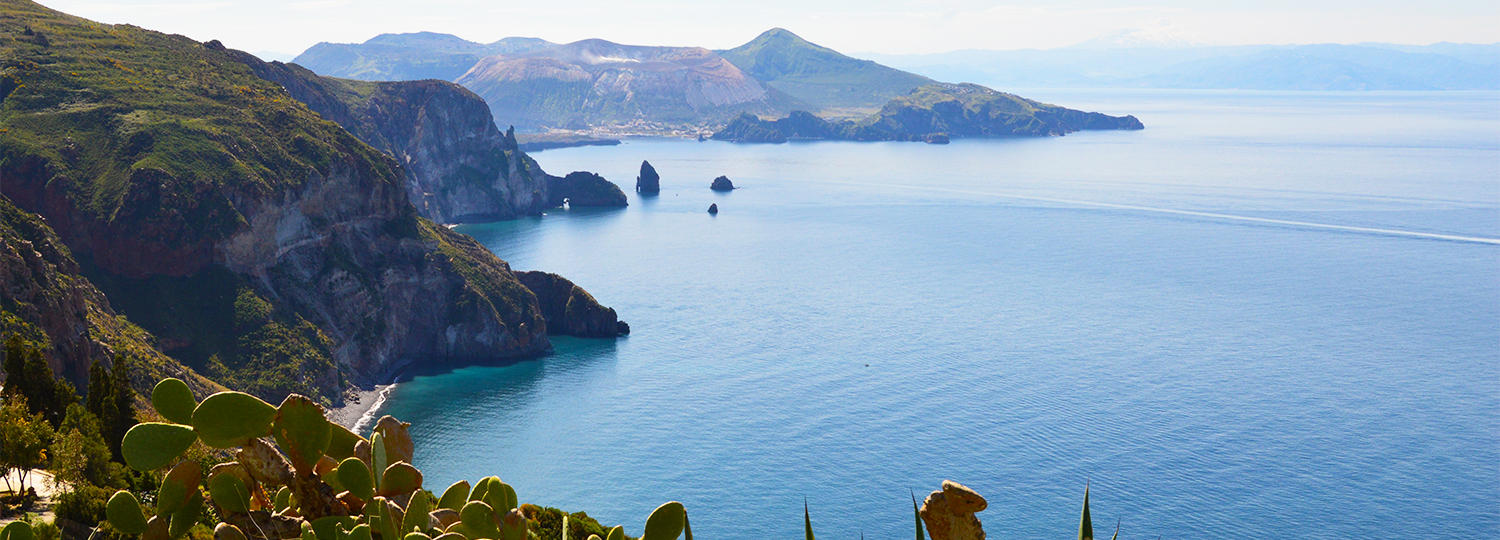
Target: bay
pixel 1266 315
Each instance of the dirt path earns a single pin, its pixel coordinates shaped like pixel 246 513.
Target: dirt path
pixel 39 480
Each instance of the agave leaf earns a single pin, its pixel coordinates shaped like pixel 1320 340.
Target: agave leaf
pixel 807 520
pixel 916 514
pixel 565 527
pixel 1085 525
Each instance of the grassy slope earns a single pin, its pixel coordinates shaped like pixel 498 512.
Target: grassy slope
pixel 99 105
pixel 100 101
pixel 819 75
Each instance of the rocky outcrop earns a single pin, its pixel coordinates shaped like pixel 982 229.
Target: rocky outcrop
pixel 220 173
pixel 459 167
pixel 570 310
pixel 721 183
pixel 648 181
pixel 949 513
pixel 713 208
pixel 582 188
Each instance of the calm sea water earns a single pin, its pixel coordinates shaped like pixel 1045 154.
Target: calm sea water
pixel 1268 315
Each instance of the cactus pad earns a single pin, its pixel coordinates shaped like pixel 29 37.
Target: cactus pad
pixel 153 445
pixel 666 522
pixel 230 419
pixel 174 401
pixel 302 432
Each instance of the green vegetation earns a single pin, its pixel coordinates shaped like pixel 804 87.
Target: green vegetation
pixel 375 492
pixel 817 75
pixel 215 322
pixel 28 376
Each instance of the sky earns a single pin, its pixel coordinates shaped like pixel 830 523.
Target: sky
pixel 880 26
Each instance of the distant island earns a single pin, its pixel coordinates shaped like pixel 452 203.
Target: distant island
pixel 932 113
pixel 597 89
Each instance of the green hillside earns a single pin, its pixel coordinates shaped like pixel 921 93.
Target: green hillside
pixel 818 75
pixel 265 247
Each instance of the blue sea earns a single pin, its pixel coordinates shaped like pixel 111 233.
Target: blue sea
pixel 1267 315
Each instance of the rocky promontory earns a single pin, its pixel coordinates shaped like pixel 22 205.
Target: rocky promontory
pixel 583 188
pixel 570 310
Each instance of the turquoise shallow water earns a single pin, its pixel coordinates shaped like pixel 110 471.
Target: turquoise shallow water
pixel 1024 316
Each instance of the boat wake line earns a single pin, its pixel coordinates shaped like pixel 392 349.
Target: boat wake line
pixel 1228 217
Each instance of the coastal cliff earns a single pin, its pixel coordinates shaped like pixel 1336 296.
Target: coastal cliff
pixel 570 310
pixel 170 167
pixel 50 305
pixel 459 166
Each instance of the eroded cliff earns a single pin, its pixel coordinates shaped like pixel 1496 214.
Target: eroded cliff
pixel 459 166
pixel 167 163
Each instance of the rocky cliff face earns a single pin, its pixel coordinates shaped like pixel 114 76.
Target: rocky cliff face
pixel 44 299
pixel 569 309
pixel 181 165
pixel 459 166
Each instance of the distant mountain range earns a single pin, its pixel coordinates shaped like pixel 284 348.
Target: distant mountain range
pixel 408 57
pixel 1129 61
pixel 595 82
pixel 819 76
pixel 532 83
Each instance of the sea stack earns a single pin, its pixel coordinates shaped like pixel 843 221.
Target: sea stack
pixel 713 208
pixel 648 181
pixel 721 183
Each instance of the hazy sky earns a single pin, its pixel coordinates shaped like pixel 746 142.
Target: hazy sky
pixel 883 26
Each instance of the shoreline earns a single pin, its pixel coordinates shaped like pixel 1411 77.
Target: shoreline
pixel 360 406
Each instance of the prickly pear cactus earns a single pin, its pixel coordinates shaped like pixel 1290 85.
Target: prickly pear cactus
pixel 295 475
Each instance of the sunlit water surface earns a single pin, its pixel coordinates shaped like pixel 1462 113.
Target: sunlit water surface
pixel 1024 316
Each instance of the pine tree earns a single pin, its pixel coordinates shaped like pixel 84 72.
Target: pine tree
pixel 27 374
pixel 111 399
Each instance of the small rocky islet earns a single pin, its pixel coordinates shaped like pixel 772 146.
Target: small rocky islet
pixel 722 183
